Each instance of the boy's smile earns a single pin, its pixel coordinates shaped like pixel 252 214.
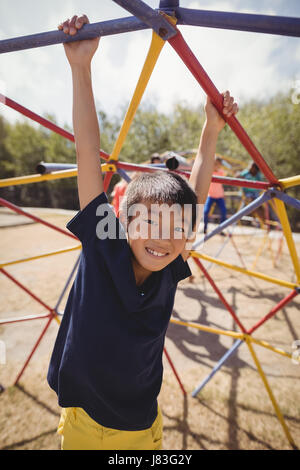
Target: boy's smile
pixel 155 253
pixel 156 237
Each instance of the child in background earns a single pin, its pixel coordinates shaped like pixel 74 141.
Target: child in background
pixel 215 195
pixel 118 192
pixel 252 173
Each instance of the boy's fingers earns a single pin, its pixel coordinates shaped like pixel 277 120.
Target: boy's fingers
pixel 81 21
pixel 73 20
pixel 71 26
pixel 78 23
pixel 65 26
pixel 226 95
pixel 233 110
pixel 73 29
pixel 84 19
pixel 228 102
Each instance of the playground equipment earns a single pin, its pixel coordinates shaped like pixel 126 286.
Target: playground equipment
pixel 164 25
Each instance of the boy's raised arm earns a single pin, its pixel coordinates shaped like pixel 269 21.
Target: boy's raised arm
pixel 202 170
pixel 85 121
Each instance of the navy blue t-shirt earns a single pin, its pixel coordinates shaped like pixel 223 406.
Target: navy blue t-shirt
pixel 107 358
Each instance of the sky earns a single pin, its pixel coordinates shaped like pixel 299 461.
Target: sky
pixel 250 65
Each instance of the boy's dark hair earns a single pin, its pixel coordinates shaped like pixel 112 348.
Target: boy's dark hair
pixel 254 166
pixel 162 187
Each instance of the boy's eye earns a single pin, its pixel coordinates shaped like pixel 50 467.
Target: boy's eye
pixel 179 229
pixel 150 222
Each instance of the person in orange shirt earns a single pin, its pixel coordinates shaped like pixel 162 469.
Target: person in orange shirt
pixel 118 192
pixel 215 195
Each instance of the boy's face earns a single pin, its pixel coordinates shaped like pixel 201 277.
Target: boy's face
pixel 157 234
pixel 253 170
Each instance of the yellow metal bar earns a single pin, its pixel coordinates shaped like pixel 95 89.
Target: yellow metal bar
pixel 259 251
pixel 264 344
pixel 155 48
pixel 31 258
pixel 281 210
pixel 49 176
pixel 260 220
pixel 208 329
pixel 264 277
pixel 270 393
pixel 212 209
pixel 57 319
pixel 290 182
pixel 271 250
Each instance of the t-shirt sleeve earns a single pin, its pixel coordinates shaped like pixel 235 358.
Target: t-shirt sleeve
pixel 180 269
pixel 96 219
pixel 260 176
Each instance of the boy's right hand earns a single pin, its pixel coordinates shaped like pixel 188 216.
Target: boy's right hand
pixel 78 52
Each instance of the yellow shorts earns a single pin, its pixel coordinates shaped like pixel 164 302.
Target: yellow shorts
pixel 80 432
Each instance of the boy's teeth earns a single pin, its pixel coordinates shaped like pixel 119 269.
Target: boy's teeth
pixel 155 252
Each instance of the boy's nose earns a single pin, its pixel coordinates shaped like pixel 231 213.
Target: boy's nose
pixel 160 232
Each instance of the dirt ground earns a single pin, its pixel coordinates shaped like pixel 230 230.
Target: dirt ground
pixel 233 411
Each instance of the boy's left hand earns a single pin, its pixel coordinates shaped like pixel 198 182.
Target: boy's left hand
pixel 212 115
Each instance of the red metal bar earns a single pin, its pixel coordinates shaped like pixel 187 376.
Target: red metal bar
pixel 262 185
pixel 17 209
pixel 5 321
pixel 175 373
pixel 44 122
pixel 34 349
pixel 274 310
pixel 219 293
pixel 185 53
pixel 237 250
pixel 12 278
pixel 107 179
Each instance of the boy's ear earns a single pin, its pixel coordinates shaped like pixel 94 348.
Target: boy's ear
pixel 190 241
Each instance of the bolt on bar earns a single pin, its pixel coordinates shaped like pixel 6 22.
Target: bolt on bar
pixel 151 17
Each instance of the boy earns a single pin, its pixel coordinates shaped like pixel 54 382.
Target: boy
pixel 215 195
pixel 106 366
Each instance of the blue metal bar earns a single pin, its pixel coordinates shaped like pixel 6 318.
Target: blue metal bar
pixel 88 31
pixel 44 168
pixel 210 19
pixel 225 243
pixel 245 211
pixel 151 17
pixel 217 367
pixel 124 175
pixel 291 201
pixel 67 283
pixel 286 26
pixel 168 4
